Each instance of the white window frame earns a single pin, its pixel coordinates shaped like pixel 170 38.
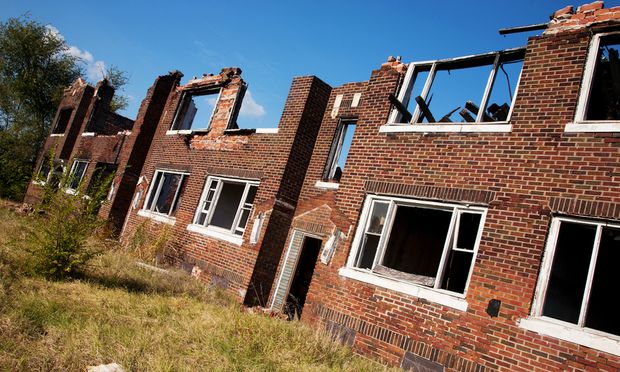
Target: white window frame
pixel 336 149
pixel 394 126
pixel 216 183
pixel 549 326
pixel 69 189
pixel 179 117
pixel 580 123
pixel 149 211
pixel 434 294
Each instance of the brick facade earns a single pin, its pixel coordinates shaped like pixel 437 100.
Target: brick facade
pixel 522 178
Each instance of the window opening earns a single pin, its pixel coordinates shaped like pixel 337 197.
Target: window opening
pixel 475 89
pixel 78 169
pixel 165 192
pixel 432 245
pixel 604 95
pixel 196 110
pixel 102 177
pixel 63 121
pixel 583 275
pixel 226 204
pixel 339 151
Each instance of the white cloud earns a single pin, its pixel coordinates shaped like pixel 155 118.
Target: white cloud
pixel 250 107
pixel 94 69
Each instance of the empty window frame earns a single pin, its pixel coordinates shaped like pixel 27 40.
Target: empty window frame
pixel 339 151
pixel 165 192
pixel 45 170
pixel 78 170
pixel 196 110
pixel 419 242
pixel 474 89
pixel 600 90
pixel 579 275
pixel 101 180
pixel 226 204
pixel 63 121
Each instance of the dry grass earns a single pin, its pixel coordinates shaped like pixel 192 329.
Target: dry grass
pixel 141 319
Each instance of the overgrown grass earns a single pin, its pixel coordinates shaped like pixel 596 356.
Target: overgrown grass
pixel 141 319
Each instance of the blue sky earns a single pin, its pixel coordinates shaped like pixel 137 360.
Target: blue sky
pixel 272 42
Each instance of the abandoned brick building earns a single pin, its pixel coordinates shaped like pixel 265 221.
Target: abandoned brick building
pixel 430 227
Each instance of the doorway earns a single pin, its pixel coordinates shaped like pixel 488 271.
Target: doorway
pixel 296 275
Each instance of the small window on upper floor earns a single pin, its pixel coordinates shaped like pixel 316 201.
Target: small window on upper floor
pixel 478 89
pixel 196 110
pixel 63 121
pixel 599 101
pixel 339 151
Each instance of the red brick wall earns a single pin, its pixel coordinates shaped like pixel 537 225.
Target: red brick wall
pixel 268 157
pixel 526 175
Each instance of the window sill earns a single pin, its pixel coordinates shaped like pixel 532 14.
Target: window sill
pixel 266 130
pixel 70 191
pixel 157 216
pixel 57 135
pixel 500 127
pixel 590 338
pixel 327 185
pixel 88 134
pixel 39 183
pixel 172 132
pixel 406 288
pixel 217 234
pixel 592 126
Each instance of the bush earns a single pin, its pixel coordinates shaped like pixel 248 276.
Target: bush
pixel 71 219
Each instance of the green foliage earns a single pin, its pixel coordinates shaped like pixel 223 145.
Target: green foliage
pixel 34 70
pixel 71 221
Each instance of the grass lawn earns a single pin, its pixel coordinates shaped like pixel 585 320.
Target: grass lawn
pixel 141 319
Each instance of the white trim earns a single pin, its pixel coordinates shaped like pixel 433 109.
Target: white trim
pixel 288 252
pixel 211 232
pixel 88 134
pixel 592 126
pixel 157 216
pixel 356 99
pixel 585 337
pixel 183 131
pixel 496 127
pixel 410 289
pixel 266 131
pixel 327 185
pixel 57 135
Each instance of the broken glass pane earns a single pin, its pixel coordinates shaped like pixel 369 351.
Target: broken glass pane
pixel 170 184
pixel 602 310
pixel 569 271
pixel 452 89
pixel 468 230
pixel 604 99
pixel 227 205
pixel 377 217
pixel 417 240
pixel 503 91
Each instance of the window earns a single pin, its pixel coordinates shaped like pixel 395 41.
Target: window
pixel 599 100
pixel 473 90
pixel 101 180
pixel 339 151
pixel 63 121
pixel 226 204
pixel 418 242
pixel 165 192
pixel 579 276
pixel 195 110
pixel 78 169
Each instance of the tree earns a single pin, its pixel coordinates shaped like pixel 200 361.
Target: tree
pixel 118 78
pixel 35 67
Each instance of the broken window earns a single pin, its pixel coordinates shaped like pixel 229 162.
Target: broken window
pixel 431 244
pixel 226 204
pixel 582 275
pixel 339 151
pixel 63 121
pixel 101 180
pixel 196 109
pixel 475 89
pixel 45 170
pixel 165 192
pixel 78 169
pixel 600 99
